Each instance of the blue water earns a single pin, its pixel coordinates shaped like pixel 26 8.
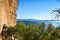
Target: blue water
pixel 29 21
pixel 54 22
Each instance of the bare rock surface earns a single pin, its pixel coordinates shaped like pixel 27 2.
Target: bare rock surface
pixel 8 13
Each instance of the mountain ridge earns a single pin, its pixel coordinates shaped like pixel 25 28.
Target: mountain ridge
pixel 34 21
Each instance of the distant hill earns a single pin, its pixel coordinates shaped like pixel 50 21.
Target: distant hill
pixel 30 21
pixel 27 21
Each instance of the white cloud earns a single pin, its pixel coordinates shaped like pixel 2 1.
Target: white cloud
pixel 44 18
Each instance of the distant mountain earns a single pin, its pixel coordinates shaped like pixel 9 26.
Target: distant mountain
pixel 30 21
pixel 27 21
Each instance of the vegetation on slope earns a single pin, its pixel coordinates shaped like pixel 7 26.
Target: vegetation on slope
pixel 34 32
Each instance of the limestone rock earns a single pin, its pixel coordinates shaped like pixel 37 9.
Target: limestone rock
pixel 8 13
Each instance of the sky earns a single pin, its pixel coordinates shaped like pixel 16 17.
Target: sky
pixel 37 9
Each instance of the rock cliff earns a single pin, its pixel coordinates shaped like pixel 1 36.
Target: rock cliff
pixel 8 13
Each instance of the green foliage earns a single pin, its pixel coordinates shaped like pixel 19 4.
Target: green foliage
pixel 42 26
pixel 34 32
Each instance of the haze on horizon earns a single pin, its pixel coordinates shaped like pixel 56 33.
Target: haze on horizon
pixel 37 9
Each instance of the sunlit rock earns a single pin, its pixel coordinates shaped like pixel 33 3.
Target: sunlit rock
pixel 8 13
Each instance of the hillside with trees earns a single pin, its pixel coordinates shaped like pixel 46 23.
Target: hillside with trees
pixel 33 32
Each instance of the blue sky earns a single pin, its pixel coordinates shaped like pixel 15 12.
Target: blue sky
pixel 36 9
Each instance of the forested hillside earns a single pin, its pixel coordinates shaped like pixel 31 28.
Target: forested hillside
pixel 34 32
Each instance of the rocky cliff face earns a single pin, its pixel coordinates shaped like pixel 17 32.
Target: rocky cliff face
pixel 8 13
